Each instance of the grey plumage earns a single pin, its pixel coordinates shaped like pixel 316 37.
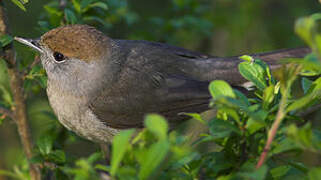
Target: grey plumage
pixel 105 85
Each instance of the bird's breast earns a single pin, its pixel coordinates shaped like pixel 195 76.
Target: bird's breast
pixel 73 113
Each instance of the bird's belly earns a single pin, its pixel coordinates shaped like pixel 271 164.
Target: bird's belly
pixel 77 117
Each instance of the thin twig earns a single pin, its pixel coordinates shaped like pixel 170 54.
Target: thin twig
pixel 19 110
pixel 272 132
pixel 287 79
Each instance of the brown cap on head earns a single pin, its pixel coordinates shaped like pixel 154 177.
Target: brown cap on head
pixel 77 41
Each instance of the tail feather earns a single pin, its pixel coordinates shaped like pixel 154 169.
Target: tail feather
pixel 227 68
pixel 274 56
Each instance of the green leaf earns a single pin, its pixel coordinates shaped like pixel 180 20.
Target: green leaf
pixel 253 125
pixel 19 4
pixel 76 5
pixel 284 145
pixel 195 116
pixel 9 174
pixel 85 3
pixel 96 19
pixel 153 158
pixel 253 72
pixel 45 144
pixel 119 146
pixel 279 172
pixel 231 113
pixel 315 174
pixel 70 16
pixel 52 11
pixel 221 129
pixel 242 97
pixel 37 159
pixel 96 5
pixel 268 96
pixel 311 65
pixel 1 120
pixel 247 58
pixel 57 156
pixel 5 40
pixel 317 39
pixel 102 167
pixel 157 125
pixel 6 95
pixel 94 157
pixel 248 171
pixel 304 101
pixel 305 137
pixel 303 27
pixel 306 84
pixel 221 88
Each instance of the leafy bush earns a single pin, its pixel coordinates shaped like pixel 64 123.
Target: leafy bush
pixel 260 136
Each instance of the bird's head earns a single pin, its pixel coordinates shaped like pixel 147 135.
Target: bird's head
pixel 72 52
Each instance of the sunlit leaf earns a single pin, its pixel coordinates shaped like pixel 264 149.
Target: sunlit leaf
pixel 76 5
pixel 253 72
pixel 254 125
pixel 153 157
pixel 195 116
pixel 247 58
pixel 19 4
pixel 119 146
pixel 221 88
pixel 268 96
pixel 303 27
pixel 157 125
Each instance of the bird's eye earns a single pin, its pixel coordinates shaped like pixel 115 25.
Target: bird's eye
pixel 58 56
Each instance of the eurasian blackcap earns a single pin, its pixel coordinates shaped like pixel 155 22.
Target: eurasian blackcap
pixel 98 85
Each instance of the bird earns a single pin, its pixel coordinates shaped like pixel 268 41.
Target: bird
pixel 98 86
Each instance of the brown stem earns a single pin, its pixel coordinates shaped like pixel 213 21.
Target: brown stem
pixel 272 132
pixel 19 110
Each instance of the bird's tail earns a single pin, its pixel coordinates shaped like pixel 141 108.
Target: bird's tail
pixel 226 68
pixel 274 57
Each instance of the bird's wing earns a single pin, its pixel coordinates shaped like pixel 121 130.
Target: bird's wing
pixel 152 79
pixel 157 78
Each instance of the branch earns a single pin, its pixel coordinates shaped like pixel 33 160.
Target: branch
pixel 19 110
pixel 272 132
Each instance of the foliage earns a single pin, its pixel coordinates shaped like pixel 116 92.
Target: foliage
pixel 236 135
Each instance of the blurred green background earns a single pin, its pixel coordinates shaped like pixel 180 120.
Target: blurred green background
pixel 217 27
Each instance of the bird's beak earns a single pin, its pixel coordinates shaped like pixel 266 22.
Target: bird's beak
pixel 34 43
